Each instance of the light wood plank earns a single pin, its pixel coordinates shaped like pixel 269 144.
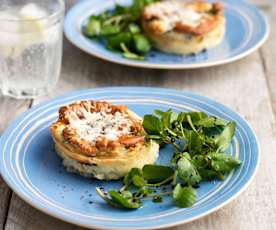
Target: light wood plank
pixel 4 202
pixel 9 109
pixel 262 4
pixel 22 216
pixel 269 56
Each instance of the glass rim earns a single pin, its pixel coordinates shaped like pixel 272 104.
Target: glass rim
pixel 56 13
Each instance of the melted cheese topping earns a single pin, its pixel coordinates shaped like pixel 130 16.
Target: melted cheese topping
pixel 100 125
pixel 172 12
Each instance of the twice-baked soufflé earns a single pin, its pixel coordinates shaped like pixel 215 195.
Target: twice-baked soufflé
pixel 101 140
pixel 183 27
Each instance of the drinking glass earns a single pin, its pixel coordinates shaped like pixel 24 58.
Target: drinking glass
pixel 30 46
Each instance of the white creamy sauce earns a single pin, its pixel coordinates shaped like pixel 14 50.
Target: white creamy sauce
pixel 100 125
pixel 172 12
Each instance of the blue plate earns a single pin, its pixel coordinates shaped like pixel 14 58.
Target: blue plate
pixel 33 170
pixel 246 30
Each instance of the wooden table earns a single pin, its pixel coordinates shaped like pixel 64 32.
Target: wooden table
pixel 248 86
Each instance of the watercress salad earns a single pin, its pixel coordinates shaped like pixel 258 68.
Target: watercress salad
pixel 199 141
pixel 120 29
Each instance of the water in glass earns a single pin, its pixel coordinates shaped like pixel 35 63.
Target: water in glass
pixel 30 49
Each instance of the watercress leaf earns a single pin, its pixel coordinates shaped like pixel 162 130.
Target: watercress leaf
pixel 200 162
pixel 213 131
pixel 196 116
pixel 93 27
pixel 108 30
pixel 126 180
pixel 136 171
pixel 138 181
pixel 176 157
pixel 207 174
pixel 173 117
pixel 134 28
pixel 184 197
pixel 181 116
pixel 152 125
pixel 159 112
pixel 187 172
pixel 103 16
pixel 167 117
pixel 107 199
pixel 223 163
pixel 129 176
pixel 207 122
pixel 116 40
pixel 121 9
pixel 194 142
pixel 137 7
pixel 134 56
pixel 154 137
pixel 145 191
pixel 219 121
pixel 124 202
pixel 157 173
pixel 141 43
pixel 127 194
pixel 223 140
pixel 157 199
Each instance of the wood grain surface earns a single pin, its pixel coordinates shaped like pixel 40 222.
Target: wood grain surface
pixel 268 53
pixel 247 86
pixel 9 109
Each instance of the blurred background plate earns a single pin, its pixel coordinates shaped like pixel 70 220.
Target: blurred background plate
pixel 246 30
pixel 30 166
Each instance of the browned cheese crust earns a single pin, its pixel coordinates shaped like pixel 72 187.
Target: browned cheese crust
pixel 82 149
pixel 213 12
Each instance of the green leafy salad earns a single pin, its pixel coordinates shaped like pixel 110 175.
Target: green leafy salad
pixel 199 142
pixel 120 29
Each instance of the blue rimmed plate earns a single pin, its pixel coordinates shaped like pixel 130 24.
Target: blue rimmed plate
pixel 30 166
pixel 246 30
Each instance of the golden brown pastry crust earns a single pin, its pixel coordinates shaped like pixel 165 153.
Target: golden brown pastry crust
pixel 102 145
pixel 212 16
pixel 184 37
